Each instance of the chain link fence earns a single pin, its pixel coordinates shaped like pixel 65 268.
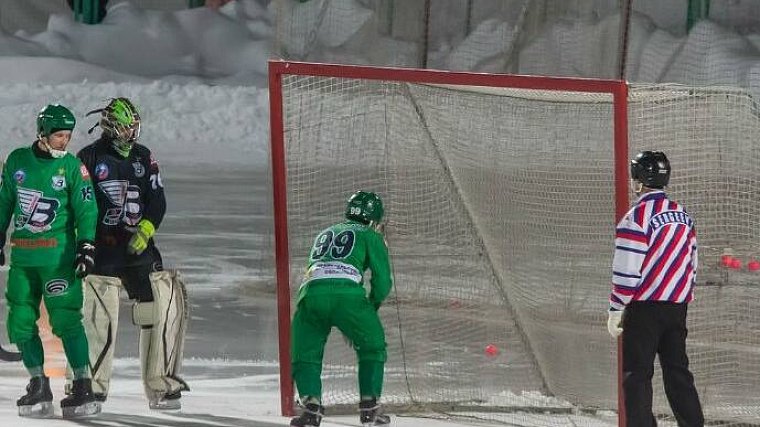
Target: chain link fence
pixel 694 42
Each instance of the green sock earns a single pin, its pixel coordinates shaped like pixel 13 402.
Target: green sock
pixel 37 371
pixel 32 354
pixel 77 351
pixel 83 372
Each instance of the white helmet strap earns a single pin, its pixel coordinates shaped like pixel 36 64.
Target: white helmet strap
pixel 56 154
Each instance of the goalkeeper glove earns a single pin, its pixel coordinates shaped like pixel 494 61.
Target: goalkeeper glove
pixel 84 262
pixel 615 323
pixel 139 241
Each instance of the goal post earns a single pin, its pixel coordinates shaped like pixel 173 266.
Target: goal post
pixel 501 194
pixel 288 197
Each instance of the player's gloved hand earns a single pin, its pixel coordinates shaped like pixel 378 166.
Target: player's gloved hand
pixel 380 227
pixel 84 263
pixel 615 323
pixel 139 241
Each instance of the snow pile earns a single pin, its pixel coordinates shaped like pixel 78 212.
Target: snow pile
pixel 183 124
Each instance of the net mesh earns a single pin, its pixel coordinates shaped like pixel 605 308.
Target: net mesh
pixel 500 210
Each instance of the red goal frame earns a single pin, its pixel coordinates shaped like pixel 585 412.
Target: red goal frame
pixel 278 68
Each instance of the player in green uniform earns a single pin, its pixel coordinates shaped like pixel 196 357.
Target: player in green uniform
pixel 332 294
pixel 47 197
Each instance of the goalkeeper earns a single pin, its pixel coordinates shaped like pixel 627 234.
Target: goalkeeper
pixel 332 294
pixel 131 205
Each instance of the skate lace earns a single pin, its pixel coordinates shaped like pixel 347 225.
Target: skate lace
pixel 30 387
pixel 312 412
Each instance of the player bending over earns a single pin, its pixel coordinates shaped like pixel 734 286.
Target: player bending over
pixel 332 294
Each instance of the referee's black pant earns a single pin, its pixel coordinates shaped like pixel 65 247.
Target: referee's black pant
pixel 651 328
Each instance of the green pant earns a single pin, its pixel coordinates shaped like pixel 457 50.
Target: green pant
pixel 358 320
pixel 62 293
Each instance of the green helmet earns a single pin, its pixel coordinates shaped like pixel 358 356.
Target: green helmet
pixel 365 207
pixel 121 121
pixel 53 118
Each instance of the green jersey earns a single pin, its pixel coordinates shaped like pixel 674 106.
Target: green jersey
pixel 51 204
pixel 339 257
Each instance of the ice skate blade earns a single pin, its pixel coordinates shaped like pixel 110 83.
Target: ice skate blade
pixel 380 420
pixel 85 410
pixel 38 410
pixel 165 405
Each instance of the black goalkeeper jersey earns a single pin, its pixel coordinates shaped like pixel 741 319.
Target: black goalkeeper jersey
pixel 127 190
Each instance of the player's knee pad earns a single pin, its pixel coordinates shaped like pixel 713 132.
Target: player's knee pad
pixel 65 322
pixel 372 349
pixel 101 320
pixel 22 323
pixel 162 337
pixel 372 355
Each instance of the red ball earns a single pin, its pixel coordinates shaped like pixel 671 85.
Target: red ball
pixel 455 303
pixel 491 350
pixel 753 265
pixel 736 263
pixel 725 260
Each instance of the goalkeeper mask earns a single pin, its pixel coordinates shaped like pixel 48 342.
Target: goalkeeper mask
pixel 120 122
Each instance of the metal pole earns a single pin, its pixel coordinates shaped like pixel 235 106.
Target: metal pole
pixel 625 27
pixel 468 19
pixel 426 35
pixel 87 11
pixel 698 10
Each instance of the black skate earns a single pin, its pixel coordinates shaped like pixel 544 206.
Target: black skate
pixel 81 402
pixel 38 400
pixel 169 402
pixel 371 414
pixel 310 417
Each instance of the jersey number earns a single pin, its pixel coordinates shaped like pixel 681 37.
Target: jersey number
pixel 339 245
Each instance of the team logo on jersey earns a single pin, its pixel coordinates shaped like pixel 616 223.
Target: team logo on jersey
pixel 56 287
pixel 84 172
pixel 139 169
pixel 59 182
pixel 37 212
pixel 101 171
pixel 19 176
pixel 125 199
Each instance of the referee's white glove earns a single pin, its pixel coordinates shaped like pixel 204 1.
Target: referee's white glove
pixel 615 323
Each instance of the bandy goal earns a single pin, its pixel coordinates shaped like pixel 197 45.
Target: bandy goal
pixel 501 194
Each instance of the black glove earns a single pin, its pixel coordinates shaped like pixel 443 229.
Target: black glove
pixel 84 262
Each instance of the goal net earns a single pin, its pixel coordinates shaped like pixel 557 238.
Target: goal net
pixel 501 197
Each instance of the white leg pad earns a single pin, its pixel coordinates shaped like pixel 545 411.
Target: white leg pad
pixel 162 345
pixel 101 321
